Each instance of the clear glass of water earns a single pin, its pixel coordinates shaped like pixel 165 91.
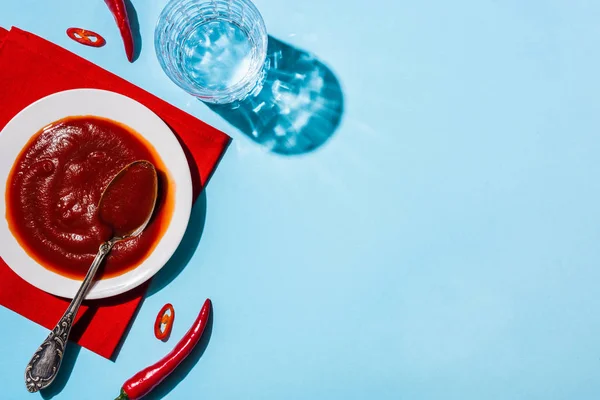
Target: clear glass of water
pixel 213 49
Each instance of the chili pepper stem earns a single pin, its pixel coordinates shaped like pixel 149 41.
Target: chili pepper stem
pixel 122 396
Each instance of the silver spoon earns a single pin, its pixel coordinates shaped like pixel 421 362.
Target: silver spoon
pixel 45 363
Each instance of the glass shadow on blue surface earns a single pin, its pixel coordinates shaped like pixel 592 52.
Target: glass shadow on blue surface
pixel 298 108
pixel 186 249
pixel 182 371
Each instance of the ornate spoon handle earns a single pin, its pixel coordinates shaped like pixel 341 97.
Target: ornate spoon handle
pixel 45 363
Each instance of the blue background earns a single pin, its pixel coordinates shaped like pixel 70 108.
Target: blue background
pixel 443 243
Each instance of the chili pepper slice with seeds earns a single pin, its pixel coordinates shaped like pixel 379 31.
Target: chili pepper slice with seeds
pixel 119 11
pixel 86 37
pixel 164 322
pixel 144 381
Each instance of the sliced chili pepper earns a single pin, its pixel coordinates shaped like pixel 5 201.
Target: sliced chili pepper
pixel 164 322
pixel 86 37
pixel 119 11
pixel 147 379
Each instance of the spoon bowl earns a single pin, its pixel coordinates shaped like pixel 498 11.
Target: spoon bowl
pixel 125 213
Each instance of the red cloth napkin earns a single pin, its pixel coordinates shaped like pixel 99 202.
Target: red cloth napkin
pixel 32 68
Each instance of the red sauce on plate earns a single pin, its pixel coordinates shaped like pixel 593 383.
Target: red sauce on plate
pixel 54 187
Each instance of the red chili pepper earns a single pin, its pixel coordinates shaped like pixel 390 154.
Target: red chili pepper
pixel 119 11
pixel 144 381
pixel 86 37
pixel 164 322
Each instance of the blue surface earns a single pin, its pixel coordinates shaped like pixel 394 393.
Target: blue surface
pixel 442 244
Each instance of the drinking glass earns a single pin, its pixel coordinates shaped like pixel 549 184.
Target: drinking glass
pixel 213 49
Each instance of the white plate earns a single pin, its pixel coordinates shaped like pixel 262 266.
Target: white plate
pixel 118 108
